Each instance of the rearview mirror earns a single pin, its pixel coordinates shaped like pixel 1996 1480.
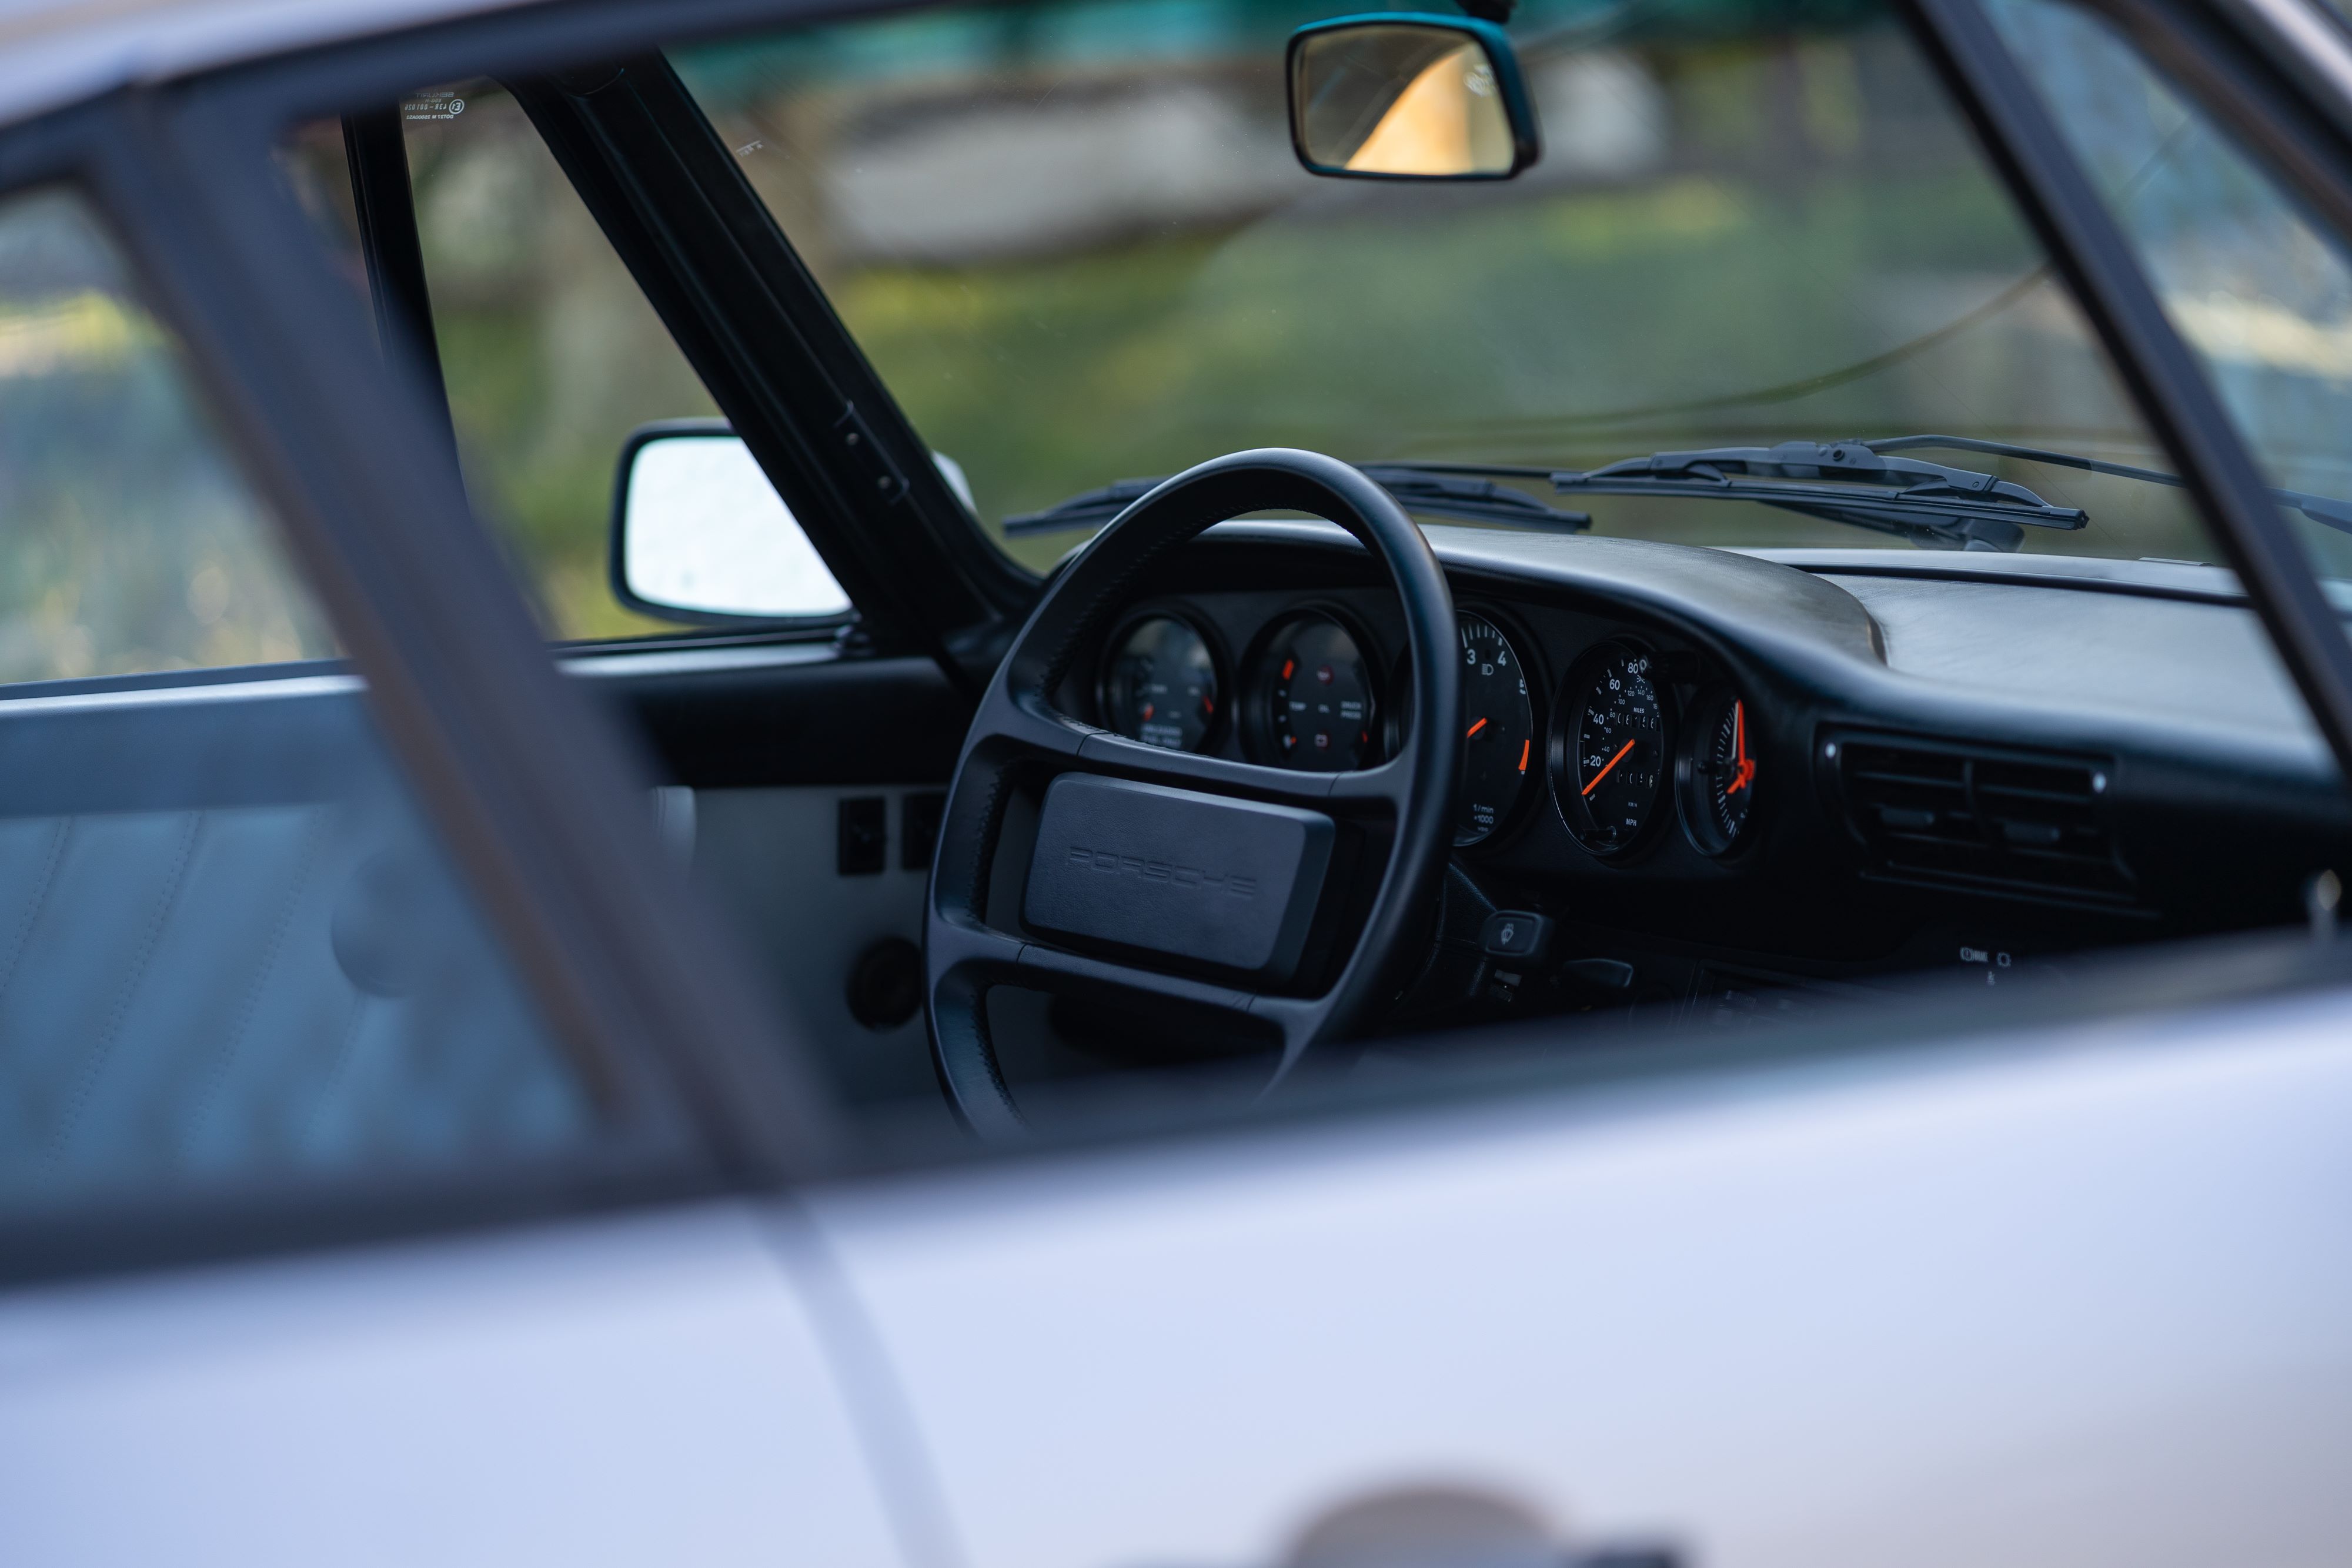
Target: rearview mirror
pixel 700 535
pixel 1406 97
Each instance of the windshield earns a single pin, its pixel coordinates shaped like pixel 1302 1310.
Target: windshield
pixel 1076 244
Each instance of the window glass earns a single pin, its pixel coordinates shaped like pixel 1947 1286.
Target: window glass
pixel 315 164
pixel 550 351
pixel 131 545
pixel 1075 241
pixel 2256 287
pixel 230 950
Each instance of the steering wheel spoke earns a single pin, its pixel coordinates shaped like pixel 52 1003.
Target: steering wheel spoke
pixel 1291 1024
pixel 1299 1021
pixel 1016 724
pixel 1116 754
pixel 1391 782
pixel 1048 968
pixel 981 952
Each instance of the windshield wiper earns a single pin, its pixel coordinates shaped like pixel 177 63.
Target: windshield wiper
pixel 1846 482
pixel 1935 507
pixel 1445 492
pixel 2326 509
pixel 1862 482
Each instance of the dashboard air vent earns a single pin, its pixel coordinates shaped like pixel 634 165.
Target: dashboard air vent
pixel 1993 820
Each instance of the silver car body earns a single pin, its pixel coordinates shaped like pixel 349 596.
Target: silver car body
pixel 2065 1298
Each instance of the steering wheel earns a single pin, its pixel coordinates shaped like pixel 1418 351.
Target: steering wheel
pixel 1075 860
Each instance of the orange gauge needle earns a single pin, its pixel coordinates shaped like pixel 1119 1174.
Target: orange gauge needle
pixel 1747 772
pixel 1523 753
pixel 1612 762
pixel 1475 728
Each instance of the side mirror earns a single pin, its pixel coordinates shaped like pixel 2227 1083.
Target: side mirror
pixel 1399 96
pixel 699 535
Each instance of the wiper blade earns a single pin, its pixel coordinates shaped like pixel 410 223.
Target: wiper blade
pixel 1847 482
pixel 1086 509
pixel 1445 492
pixel 1436 492
pixel 2324 509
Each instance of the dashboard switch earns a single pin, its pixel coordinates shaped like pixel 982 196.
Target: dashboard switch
pixel 1516 933
pixel 862 843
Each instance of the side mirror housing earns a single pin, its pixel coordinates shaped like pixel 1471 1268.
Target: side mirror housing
pixel 1402 96
pixel 699 535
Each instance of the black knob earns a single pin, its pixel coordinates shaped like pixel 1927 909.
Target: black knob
pixel 885 984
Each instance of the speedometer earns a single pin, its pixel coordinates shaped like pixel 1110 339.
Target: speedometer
pixel 1612 750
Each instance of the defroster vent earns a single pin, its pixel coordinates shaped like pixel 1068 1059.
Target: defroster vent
pixel 2032 824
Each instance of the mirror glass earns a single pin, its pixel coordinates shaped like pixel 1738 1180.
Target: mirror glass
pixel 1413 100
pixel 703 531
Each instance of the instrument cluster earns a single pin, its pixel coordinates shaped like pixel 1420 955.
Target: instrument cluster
pixel 1629 740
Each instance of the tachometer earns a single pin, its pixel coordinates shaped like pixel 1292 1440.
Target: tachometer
pixel 1160 685
pixel 1717 772
pixel 1320 709
pixel 1499 722
pixel 1613 749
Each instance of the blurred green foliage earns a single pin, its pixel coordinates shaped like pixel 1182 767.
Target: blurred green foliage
pixel 1807 202
pixel 132 542
pixel 550 351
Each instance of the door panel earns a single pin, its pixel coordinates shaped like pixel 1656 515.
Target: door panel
pixel 629 1392
pixel 781 746
pixel 773 858
pixel 178 1008
pixel 251 953
pixel 2065 1300
pixel 271 820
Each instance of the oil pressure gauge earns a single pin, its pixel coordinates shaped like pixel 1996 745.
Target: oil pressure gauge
pixel 1317 710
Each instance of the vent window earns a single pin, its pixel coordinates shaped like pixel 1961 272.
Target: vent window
pixel 1992 820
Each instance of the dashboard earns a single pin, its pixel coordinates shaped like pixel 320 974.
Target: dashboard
pixel 1728 779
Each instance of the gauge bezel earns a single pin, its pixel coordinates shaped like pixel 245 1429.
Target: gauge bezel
pixel 1162 610
pixel 1256 716
pixel 1530 656
pixel 1699 825
pixel 1569 711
